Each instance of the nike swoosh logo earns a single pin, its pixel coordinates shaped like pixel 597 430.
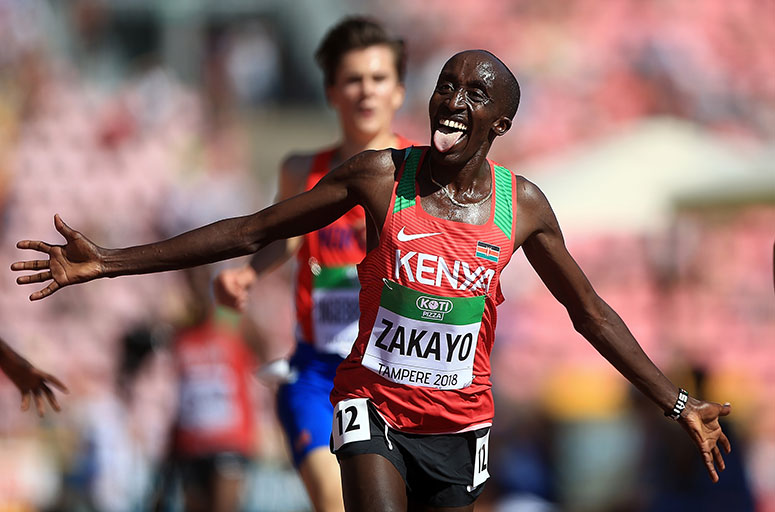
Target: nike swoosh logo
pixel 403 237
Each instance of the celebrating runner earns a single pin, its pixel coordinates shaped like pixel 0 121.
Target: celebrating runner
pixel 413 400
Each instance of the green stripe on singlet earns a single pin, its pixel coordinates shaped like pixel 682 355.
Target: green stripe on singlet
pixel 504 216
pixel 405 195
pixel 425 307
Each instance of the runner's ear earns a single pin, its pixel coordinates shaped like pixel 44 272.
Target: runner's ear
pixel 502 125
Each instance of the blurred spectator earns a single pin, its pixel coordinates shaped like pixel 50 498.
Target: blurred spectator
pixel 113 462
pixel 213 434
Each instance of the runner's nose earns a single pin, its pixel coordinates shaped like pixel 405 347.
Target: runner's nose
pixel 458 99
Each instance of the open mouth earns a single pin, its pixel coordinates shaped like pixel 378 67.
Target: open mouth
pixel 448 134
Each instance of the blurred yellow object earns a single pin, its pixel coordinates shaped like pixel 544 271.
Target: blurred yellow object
pixel 582 393
pixel 749 400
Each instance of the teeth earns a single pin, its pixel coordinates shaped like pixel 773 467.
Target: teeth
pixel 453 124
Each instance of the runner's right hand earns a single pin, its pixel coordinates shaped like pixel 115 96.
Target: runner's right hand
pixel 231 286
pixel 78 261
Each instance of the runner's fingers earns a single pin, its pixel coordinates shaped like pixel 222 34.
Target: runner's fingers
pixel 30 265
pixel 56 382
pixel 35 245
pixel 51 398
pixel 39 402
pixel 709 465
pixel 63 228
pixel 725 443
pixel 34 278
pixel 26 400
pixel 718 459
pixel 45 292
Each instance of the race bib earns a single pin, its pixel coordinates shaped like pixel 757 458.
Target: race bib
pixel 424 340
pixel 335 306
pixel 481 460
pixel 208 396
pixel 351 422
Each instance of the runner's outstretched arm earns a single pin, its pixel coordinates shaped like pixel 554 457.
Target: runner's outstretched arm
pixel 31 382
pixel 79 260
pixel 595 320
pixel 231 285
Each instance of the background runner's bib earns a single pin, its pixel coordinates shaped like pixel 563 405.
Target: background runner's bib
pixel 424 340
pixel 208 397
pixel 335 307
pixel 215 404
pixel 328 258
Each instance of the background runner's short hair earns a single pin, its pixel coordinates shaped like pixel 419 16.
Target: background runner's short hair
pixel 354 33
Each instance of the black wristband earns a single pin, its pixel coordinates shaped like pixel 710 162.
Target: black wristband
pixel 680 405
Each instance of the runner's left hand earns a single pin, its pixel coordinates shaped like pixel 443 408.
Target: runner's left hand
pixel 701 422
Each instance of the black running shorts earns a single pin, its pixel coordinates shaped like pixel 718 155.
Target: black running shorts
pixel 439 470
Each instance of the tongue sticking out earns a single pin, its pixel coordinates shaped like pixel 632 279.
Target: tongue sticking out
pixel 445 141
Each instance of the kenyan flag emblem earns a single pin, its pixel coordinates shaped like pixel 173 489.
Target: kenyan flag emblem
pixel 487 251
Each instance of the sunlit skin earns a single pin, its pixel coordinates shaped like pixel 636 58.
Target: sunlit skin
pixel 367 180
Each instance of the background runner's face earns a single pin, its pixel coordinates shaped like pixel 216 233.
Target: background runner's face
pixel 366 92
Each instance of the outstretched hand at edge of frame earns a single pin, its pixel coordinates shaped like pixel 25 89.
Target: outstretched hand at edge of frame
pixel 77 261
pixel 31 382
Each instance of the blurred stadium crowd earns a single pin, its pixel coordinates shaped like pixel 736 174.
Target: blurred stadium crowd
pixel 138 120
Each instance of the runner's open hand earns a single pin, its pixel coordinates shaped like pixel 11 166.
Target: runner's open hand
pixel 78 261
pixel 32 383
pixel 701 422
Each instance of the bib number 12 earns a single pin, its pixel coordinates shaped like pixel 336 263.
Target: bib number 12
pixel 350 422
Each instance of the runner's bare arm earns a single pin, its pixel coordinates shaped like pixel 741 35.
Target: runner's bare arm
pixel 31 382
pixel 292 181
pixel 543 244
pixel 231 285
pixel 80 260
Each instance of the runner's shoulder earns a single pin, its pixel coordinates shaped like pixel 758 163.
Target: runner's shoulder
pixel 373 164
pixel 529 196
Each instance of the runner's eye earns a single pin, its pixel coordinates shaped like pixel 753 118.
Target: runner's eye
pixel 477 96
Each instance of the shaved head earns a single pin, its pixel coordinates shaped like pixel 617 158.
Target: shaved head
pixel 504 78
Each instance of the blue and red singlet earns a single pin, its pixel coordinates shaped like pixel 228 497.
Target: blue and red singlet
pixel 326 275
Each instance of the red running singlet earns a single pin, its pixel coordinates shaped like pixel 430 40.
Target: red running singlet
pixel 215 413
pixel 428 298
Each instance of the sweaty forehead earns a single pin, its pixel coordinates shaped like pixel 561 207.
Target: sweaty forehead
pixel 471 66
